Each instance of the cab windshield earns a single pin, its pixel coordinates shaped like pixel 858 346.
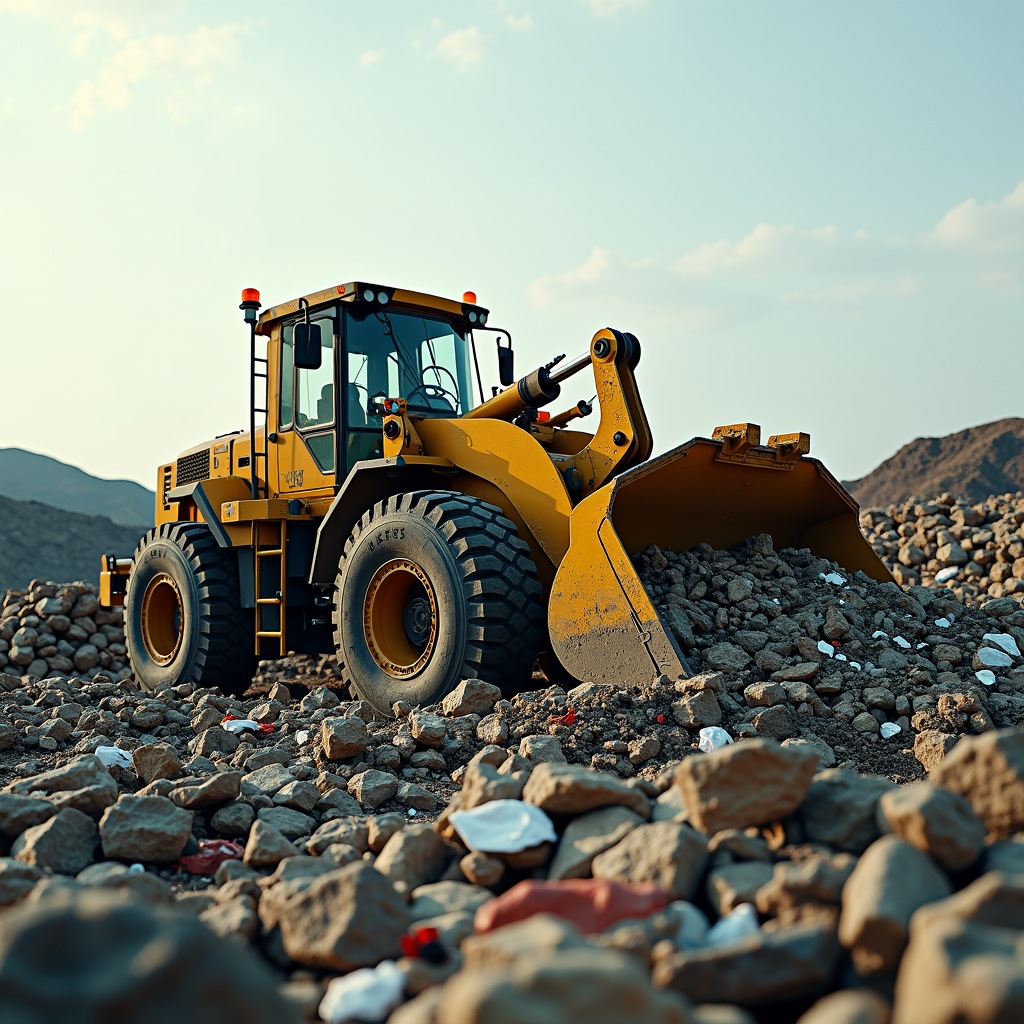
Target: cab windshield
pixel 395 354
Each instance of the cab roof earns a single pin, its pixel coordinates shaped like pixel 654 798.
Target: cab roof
pixel 382 296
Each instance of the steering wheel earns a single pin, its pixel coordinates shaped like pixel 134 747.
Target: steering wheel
pixel 434 391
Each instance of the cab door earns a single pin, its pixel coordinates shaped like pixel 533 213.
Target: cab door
pixel 307 436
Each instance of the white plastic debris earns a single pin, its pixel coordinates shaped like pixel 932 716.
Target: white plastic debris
pixel 879 633
pixel 411 812
pixel 826 648
pixel 115 755
pixel 240 725
pixel 985 676
pixel 692 932
pixel 835 579
pixel 855 664
pixel 919 646
pixel 991 657
pixel 137 868
pixel 369 994
pixel 840 656
pixel 737 924
pixel 947 574
pixel 889 729
pixel 775 600
pixel 302 736
pixel 900 641
pixel 1005 641
pixel 713 737
pixel 943 623
pixel 503 826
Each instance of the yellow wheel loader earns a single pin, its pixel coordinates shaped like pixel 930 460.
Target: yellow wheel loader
pixel 382 509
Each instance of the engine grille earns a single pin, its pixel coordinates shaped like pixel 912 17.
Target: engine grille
pixel 193 468
pixel 165 487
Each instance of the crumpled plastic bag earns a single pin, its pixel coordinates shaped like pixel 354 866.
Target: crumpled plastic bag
pixel 115 755
pixel 503 826
pixel 369 994
pixel 212 853
pixel 232 723
pixel 889 729
pixel 713 737
pixel 1005 641
pixel 592 904
pixel 985 676
pixel 740 922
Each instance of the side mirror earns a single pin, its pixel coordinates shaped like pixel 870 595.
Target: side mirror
pixel 506 365
pixel 306 352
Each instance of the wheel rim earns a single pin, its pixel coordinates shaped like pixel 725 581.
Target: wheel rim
pixel 400 618
pixel 161 619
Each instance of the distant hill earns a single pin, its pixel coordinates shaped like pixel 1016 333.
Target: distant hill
pixel 972 463
pixel 40 542
pixel 26 476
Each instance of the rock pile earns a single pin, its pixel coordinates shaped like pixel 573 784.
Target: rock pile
pixel 746 884
pixel 792 647
pixel 975 550
pixel 60 630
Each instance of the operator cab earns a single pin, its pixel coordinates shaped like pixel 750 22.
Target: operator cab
pixel 375 343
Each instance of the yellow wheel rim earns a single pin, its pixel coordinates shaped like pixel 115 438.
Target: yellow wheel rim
pixel 162 619
pixel 400 618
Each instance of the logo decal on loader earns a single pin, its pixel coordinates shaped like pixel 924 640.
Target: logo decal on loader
pixel 293 478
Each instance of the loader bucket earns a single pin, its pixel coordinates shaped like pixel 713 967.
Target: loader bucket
pixel 602 624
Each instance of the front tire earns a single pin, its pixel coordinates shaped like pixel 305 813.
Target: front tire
pixel 435 587
pixel 183 620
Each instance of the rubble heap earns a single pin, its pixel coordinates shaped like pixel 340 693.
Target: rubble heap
pixel 745 884
pixel 60 630
pixel 975 550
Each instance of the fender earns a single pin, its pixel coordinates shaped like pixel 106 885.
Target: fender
pixel 367 483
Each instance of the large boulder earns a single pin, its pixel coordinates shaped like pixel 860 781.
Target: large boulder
pixel 749 783
pixel 144 828
pixel 91 956
pixel 589 835
pixel 18 813
pixel 891 880
pixel 841 808
pixel 988 770
pixel 414 855
pixel 769 967
pixel 560 788
pixel 64 843
pixel 581 986
pixel 345 919
pixel 670 854
pixel 937 821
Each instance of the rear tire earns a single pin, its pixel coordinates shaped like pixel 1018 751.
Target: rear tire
pixel 183 620
pixel 435 587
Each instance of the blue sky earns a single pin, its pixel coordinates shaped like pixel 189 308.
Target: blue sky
pixel 811 214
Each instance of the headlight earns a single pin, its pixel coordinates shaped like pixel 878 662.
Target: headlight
pixel 483 318
pixel 472 316
pixel 382 297
pixel 368 295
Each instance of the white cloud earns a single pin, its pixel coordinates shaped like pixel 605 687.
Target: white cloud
pixel 371 57
pixel 523 23
pixel 783 265
pixel 609 8
pixel 193 56
pixel 464 47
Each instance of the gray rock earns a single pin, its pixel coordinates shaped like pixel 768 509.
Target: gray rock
pixel 291 824
pixel 266 781
pixel 144 828
pixel 840 809
pixel 373 788
pixel 471 697
pixel 233 820
pixel 266 847
pixel 299 796
pixel 216 789
pixel 541 749
pixel 16 880
pixel 427 728
pixel 574 789
pixel 18 813
pixel 342 737
pixel 64 843
pixel 415 855
pixel 890 882
pixel 670 854
pixel 589 835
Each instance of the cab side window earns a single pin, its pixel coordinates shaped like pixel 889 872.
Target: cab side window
pixel 315 405
pixel 287 403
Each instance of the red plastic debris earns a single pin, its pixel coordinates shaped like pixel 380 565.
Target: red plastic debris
pixel 592 904
pixel 424 944
pixel 567 719
pixel 212 853
pixel 661 718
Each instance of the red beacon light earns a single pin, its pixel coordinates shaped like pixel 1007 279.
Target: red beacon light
pixel 469 297
pixel 250 304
